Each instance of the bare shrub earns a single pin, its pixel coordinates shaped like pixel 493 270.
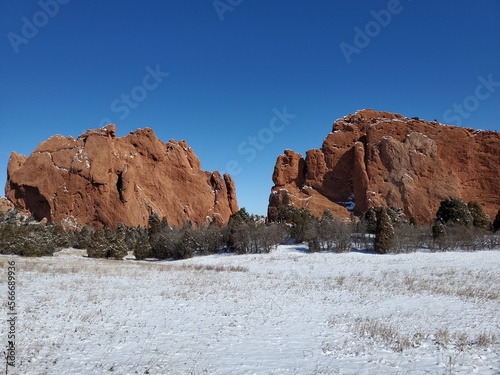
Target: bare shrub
pixel 410 238
pixel 333 234
pixel 458 237
pixel 264 237
pixel 442 337
pixel 209 239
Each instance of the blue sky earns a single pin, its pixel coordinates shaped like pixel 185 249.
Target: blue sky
pixel 225 69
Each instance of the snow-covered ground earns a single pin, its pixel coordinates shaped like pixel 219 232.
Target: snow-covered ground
pixel 287 312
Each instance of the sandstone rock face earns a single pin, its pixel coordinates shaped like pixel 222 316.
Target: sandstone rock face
pixel 5 205
pixel 101 180
pixel 376 158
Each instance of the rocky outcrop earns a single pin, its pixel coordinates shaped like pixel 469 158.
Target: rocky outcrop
pixel 5 205
pixel 101 180
pixel 376 158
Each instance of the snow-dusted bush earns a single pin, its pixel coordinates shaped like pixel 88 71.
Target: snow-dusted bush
pixel 479 219
pixel 370 218
pixel 27 240
pixel 116 240
pixel 98 246
pixel 84 237
pixel 454 211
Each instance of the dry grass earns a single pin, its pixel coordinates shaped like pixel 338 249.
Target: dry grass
pixel 372 331
pixel 376 330
pixel 442 337
pixel 216 268
pixel 464 284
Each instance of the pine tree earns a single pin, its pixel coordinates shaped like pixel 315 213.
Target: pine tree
pixel 84 237
pixel 118 246
pixel 326 231
pixel 7 239
pixel 496 222
pixel 454 211
pixel 154 225
pixel 11 216
pixel 302 221
pixel 142 247
pixel 185 246
pixel 34 241
pixel 164 224
pixel 60 237
pixel 98 247
pixel 479 218
pixel 370 219
pixel 384 235
pixel 239 227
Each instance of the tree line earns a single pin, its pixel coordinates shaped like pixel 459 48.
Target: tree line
pixel 243 234
pixel 383 229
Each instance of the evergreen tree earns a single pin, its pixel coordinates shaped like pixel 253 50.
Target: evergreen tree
pixel 84 237
pixel 142 247
pixel 60 237
pixel 397 216
pixel 164 224
pixel 239 227
pixel 303 223
pixel 384 235
pixel 131 235
pixel 326 231
pixel 11 216
pixel 33 240
pixel 98 247
pixel 370 219
pixel 439 233
pixel 455 212
pixel 496 222
pixel 479 218
pixel 7 239
pixel 185 246
pixel 154 225
pixel 117 246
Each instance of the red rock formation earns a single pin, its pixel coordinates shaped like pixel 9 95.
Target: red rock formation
pixel 383 159
pixel 5 205
pixel 102 180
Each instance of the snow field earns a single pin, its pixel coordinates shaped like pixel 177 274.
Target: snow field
pixel 287 312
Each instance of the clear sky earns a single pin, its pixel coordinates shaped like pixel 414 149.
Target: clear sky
pixel 241 80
